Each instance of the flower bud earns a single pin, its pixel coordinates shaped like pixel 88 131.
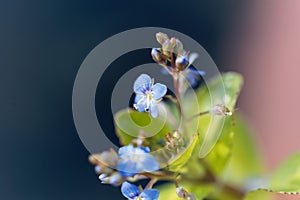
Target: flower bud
pixel 182 62
pixel 178 48
pixel 98 169
pixel 220 109
pixel 158 56
pixel 161 37
pixel 104 178
pixel 114 179
pixel 168 47
pixel 105 159
pixel 181 192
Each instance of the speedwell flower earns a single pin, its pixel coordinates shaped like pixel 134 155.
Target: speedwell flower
pixel 134 160
pixel 132 192
pixel 148 94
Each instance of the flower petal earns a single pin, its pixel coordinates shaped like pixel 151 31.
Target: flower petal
pixel 195 71
pixel 128 168
pixel 126 150
pixel 129 191
pixel 193 76
pixel 150 194
pixel 115 179
pixel 140 102
pixel 153 110
pixel 149 164
pixel 142 84
pixel 158 91
pixel 193 57
pixel 145 149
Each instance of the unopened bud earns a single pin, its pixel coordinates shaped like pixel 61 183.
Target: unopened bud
pixel 98 169
pixel 191 196
pixel 178 48
pixel 182 62
pixel 181 192
pixel 220 109
pixel 158 56
pixel 104 178
pixel 168 47
pixel 114 179
pixel 161 37
pixel 107 158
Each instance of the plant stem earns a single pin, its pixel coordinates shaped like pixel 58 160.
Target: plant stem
pixel 198 115
pixel 151 183
pixel 177 93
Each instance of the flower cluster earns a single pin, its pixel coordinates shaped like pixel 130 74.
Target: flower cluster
pixel 134 161
pixel 176 60
pixel 116 168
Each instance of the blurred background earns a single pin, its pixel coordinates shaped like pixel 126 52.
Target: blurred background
pixel 43 44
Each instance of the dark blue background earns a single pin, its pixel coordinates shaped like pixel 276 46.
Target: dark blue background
pixel 42 45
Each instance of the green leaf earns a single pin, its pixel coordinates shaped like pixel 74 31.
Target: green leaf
pixel 265 194
pixel 258 195
pixel 217 159
pixel 232 84
pixel 216 132
pixel 130 124
pixel 223 90
pixel 180 160
pixel 168 191
pixel 245 162
pixel 287 177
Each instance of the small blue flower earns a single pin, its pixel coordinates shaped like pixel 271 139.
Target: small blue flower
pixel 147 94
pixel 132 192
pixel 134 160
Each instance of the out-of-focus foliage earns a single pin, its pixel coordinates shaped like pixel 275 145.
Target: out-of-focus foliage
pixel 287 177
pixel 221 160
pixel 131 124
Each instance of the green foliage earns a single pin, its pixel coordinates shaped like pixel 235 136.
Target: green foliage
pixel 180 160
pixel 222 89
pixel 168 191
pixel 258 195
pixel 287 177
pixel 197 140
pixel 131 124
pixel 218 157
pixel 245 162
pixel 216 132
pixel 218 146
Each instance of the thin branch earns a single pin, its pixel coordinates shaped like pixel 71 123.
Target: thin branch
pixel 151 183
pixel 198 115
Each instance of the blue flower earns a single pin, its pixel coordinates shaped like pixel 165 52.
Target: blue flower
pixel 147 94
pixel 134 160
pixel 132 192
